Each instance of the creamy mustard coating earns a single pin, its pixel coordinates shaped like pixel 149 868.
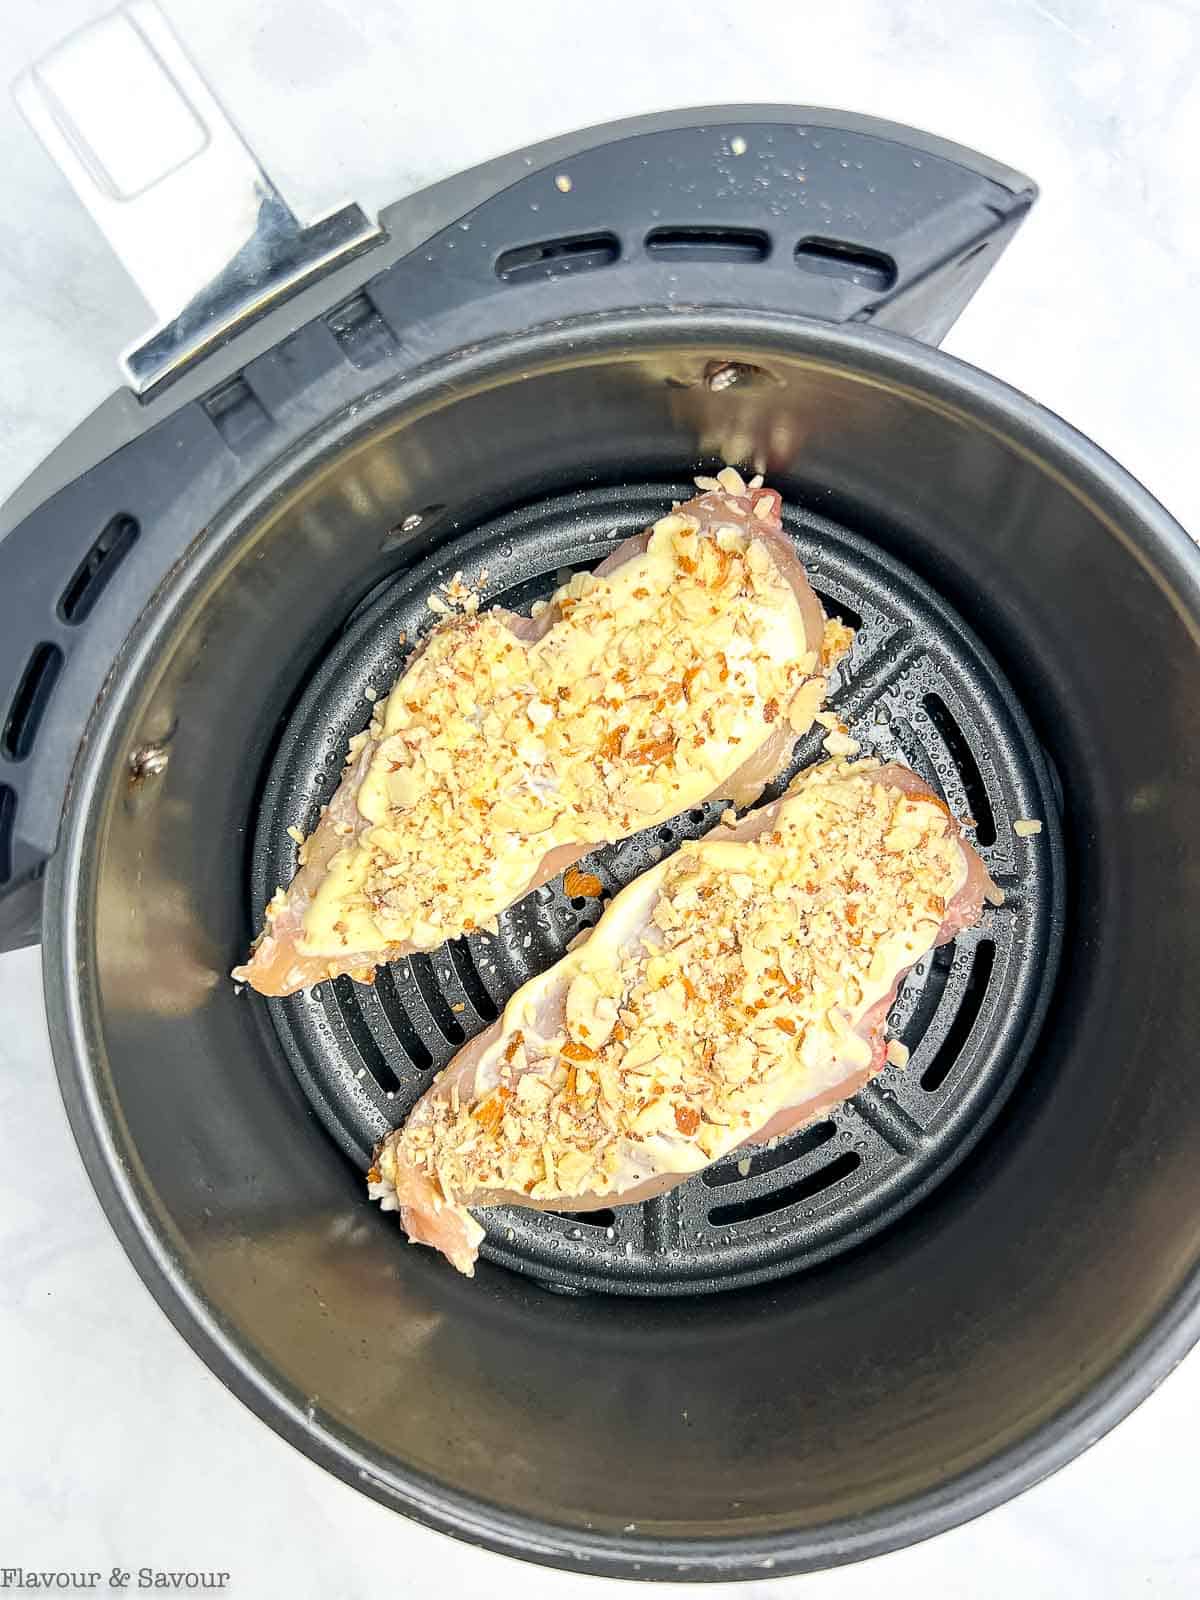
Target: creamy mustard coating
pixel 655 685
pixel 718 990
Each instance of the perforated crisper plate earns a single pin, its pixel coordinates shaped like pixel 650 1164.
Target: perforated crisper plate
pixel 917 687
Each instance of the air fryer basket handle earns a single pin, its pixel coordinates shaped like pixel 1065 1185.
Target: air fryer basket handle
pixel 814 213
pixel 177 192
pixel 810 213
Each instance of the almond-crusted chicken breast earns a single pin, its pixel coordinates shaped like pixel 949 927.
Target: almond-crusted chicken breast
pixel 728 996
pixel 683 668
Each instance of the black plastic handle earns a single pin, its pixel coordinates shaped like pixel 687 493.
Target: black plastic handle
pixel 845 219
pixel 810 213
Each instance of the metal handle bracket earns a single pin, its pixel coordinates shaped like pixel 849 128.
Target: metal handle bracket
pixel 177 192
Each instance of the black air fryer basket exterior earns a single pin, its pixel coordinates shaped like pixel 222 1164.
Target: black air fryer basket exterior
pixel 1014 1311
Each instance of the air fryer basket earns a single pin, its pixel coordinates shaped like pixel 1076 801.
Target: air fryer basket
pixel 978 1340
pixel 942 1291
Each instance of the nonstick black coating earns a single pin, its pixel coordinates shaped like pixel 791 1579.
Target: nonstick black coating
pixel 986 1335
pixel 917 688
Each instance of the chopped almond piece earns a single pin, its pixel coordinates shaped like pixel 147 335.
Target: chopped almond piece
pixel 582 885
pixel 573 1051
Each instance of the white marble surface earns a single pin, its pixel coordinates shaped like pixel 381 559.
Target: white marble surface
pixel 119 1447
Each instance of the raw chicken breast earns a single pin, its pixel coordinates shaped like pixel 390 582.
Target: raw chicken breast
pixel 682 669
pixel 728 996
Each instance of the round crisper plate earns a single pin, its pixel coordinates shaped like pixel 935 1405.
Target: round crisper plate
pixel 917 687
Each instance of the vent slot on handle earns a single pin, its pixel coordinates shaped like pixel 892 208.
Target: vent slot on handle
pixel 30 701
pixel 95 571
pixel 551 257
pixel 746 245
pixel 835 258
